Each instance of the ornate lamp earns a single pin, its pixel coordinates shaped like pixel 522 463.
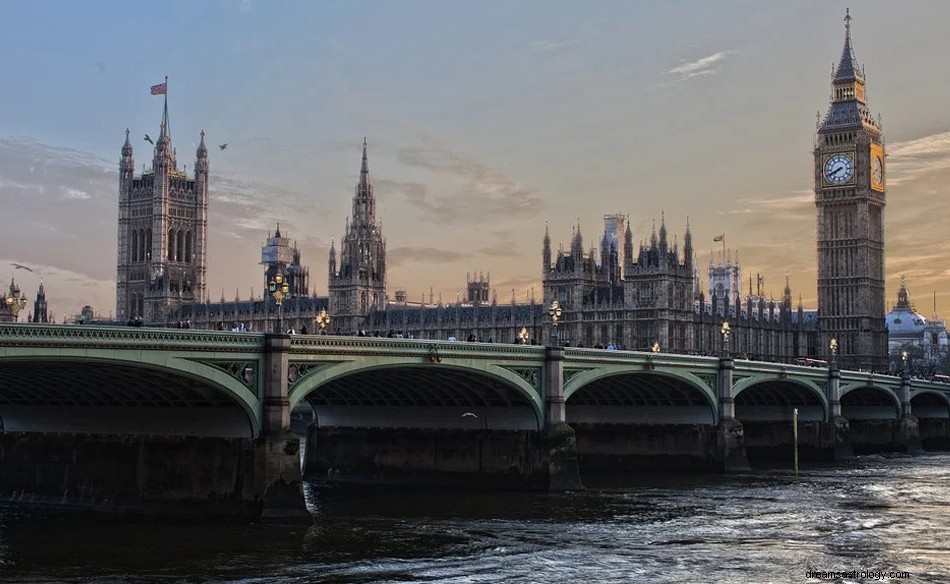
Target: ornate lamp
pixel 523 336
pixel 323 321
pixel 833 346
pixel 14 302
pixel 656 347
pixel 279 288
pixel 724 331
pixel 555 313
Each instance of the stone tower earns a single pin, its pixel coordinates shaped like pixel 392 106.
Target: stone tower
pixel 849 195
pixel 162 233
pixel 40 309
pixel 359 285
pixel 282 256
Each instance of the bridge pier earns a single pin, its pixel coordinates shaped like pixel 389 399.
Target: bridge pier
pixel 908 430
pixel 838 427
pixel 277 484
pixel 558 441
pixel 730 439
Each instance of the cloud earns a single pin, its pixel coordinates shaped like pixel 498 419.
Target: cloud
pixel 399 256
pixel 910 159
pixel 480 193
pixel 708 65
pixel 547 45
pixel 71 193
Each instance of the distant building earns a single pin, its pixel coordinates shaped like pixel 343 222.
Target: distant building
pixel 162 231
pixel 40 310
pixel 907 329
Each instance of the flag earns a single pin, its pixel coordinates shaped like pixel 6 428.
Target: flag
pixel 159 89
pixel 721 237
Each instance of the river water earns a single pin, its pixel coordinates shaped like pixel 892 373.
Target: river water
pixel 878 513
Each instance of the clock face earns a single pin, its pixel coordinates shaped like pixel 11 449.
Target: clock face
pixel 839 169
pixel 877 170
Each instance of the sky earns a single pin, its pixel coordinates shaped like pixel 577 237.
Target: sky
pixel 485 121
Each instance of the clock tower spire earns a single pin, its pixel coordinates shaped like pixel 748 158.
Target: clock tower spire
pixel 849 196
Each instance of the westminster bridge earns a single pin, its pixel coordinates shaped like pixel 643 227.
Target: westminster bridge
pixel 121 417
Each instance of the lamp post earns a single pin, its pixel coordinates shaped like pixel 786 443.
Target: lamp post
pixel 656 347
pixel 555 313
pixel 279 288
pixel 523 336
pixel 14 302
pixel 323 321
pixel 833 345
pixel 904 358
pixel 724 331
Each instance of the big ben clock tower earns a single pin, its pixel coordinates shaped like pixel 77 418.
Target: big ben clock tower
pixel 849 196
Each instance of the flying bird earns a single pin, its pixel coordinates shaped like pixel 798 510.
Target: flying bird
pixel 149 140
pixel 21 267
pixel 223 146
pixel 469 415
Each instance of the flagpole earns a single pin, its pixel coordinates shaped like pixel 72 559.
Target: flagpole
pixel 724 247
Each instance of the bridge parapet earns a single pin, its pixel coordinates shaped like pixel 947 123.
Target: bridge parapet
pixel 413 347
pixel 51 335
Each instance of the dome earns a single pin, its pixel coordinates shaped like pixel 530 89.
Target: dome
pixel 903 320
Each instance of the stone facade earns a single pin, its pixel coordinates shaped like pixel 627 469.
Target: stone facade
pixel 358 285
pixel 849 195
pixel 162 232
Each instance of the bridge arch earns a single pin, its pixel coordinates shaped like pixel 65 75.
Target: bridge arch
pixel 930 404
pixel 654 396
pixel 126 392
pixel 868 401
pixel 409 392
pixel 767 397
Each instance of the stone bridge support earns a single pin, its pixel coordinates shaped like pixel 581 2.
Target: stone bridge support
pixel 908 433
pixel 839 431
pixel 730 438
pixel 558 442
pixel 277 483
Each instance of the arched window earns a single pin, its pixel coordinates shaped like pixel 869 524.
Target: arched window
pixel 148 245
pixel 171 245
pixel 135 246
pixel 180 246
pixel 189 248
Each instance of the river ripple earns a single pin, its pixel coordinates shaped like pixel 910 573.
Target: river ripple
pixel 880 513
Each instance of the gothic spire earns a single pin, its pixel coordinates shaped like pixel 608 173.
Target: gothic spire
pixel 364 167
pixel 127 147
pixel 847 66
pixel 165 129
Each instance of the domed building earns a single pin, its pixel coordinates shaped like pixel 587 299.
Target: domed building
pixel 908 329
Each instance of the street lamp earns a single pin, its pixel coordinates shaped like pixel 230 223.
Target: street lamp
pixel 656 346
pixel 724 331
pixel 279 288
pixel 833 345
pixel 904 359
pixel 15 302
pixel 523 336
pixel 555 313
pixel 323 321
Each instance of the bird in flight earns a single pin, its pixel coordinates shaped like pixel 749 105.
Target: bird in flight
pixel 21 267
pixel 149 140
pixel 223 146
pixel 469 415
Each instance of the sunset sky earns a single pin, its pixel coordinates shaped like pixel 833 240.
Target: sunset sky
pixel 484 120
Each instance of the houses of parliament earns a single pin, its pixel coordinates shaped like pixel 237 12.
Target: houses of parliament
pixel 613 293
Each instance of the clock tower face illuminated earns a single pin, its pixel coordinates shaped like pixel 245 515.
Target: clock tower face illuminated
pixel 839 169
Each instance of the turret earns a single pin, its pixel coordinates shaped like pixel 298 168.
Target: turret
pixel 628 248
pixel 201 162
pixel 331 262
pixel 688 246
pixel 546 251
pixel 577 244
pixel 164 154
pixel 663 242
